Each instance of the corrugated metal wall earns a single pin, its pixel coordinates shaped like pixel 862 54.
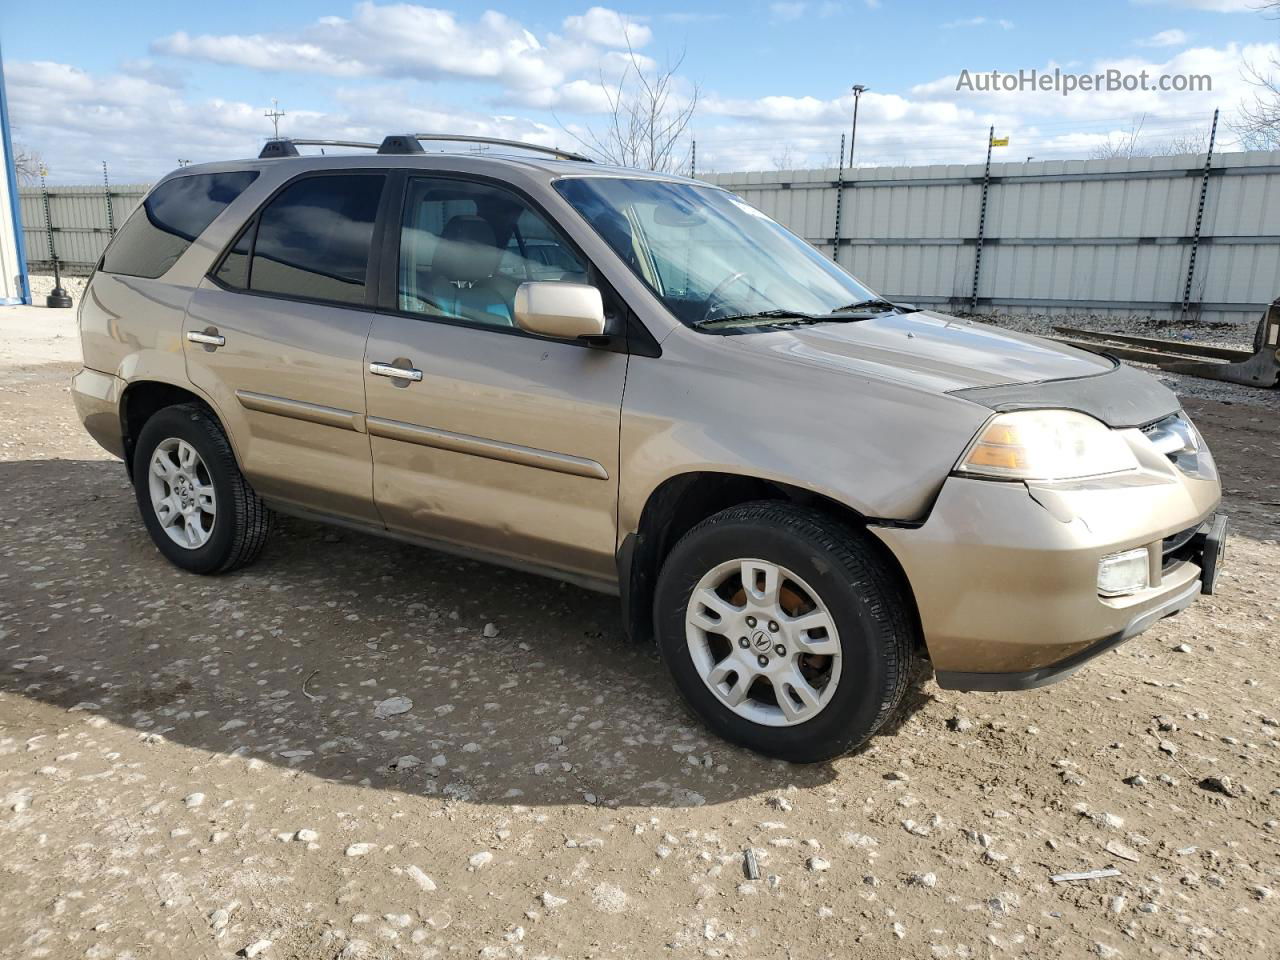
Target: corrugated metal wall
pixel 81 227
pixel 1060 237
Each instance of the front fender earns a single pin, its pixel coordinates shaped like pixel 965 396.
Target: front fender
pixel 881 448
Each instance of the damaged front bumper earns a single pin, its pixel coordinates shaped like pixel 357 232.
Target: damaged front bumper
pixel 1005 575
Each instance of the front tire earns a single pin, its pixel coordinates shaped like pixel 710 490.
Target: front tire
pixel 787 631
pixel 199 509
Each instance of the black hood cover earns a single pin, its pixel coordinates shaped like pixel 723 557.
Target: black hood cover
pixel 1121 397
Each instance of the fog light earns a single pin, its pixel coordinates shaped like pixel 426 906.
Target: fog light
pixel 1123 573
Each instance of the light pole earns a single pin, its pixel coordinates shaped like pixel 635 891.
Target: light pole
pixel 858 90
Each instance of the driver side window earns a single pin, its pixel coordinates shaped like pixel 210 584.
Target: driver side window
pixel 466 247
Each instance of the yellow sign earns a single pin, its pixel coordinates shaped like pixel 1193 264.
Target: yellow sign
pixel 999 141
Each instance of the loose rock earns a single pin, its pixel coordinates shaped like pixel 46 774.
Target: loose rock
pixel 392 706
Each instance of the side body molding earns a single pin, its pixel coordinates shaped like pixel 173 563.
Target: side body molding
pixel 490 449
pixel 301 410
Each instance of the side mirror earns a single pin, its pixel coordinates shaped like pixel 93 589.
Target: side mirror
pixel 557 308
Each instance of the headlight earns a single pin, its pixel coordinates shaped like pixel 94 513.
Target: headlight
pixel 1046 445
pixel 1179 440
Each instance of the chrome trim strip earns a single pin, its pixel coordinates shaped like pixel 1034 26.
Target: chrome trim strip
pixel 301 410
pixel 490 449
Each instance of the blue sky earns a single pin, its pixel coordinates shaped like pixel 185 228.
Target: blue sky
pixel 141 84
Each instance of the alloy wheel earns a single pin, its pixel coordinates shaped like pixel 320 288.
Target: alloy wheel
pixel 763 642
pixel 182 493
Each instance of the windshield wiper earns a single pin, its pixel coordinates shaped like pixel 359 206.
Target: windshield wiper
pixel 794 316
pixel 877 303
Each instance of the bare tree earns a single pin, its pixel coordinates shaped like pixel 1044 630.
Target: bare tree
pixel 647 117
pixel 27 163
pixel 1127 145
pixel 1259 123
pixel 1181 143
pixel 783 158
pixel 1121 146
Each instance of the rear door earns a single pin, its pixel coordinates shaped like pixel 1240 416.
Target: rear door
pixel 494 439
pixel 276 337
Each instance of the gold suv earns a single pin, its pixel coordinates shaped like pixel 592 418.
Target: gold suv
pixel 640 384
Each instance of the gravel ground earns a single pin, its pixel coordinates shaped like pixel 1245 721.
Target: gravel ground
pixel 1238 335
pixel 360 749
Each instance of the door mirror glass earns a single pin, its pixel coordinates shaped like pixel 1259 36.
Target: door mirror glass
pixel 556 308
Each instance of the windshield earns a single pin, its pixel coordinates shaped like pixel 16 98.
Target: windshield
pixel 709 255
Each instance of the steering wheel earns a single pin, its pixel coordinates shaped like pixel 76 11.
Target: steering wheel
pixel 714 297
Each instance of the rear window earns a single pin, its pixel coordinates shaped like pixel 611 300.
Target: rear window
pixel 171 218
pixel 313 239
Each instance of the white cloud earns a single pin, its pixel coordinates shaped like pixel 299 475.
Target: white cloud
pixel 142 117
pixel 933 123
pixel 978 22
pixel 1214 6
pixel 259 52
pixel 1165 38
pixel 76 119
pixel 689 16
pixel 608 28
pixel 372 42
pixel 788 10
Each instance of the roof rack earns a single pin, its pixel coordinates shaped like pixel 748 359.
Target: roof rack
pixel 409 143
pixel 288 147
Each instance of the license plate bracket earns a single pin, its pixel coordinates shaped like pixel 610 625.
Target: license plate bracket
pixel 1212 546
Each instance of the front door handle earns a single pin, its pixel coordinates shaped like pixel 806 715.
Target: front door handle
pixel 396 373
pixel 209 338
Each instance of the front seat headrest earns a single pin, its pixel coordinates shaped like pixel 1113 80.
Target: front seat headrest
pixel 467 250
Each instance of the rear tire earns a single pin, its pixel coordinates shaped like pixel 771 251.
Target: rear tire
pixel 199 509
pixel 736 660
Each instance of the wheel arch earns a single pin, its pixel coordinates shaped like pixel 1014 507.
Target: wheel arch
pixel 681 502
pixel 143 399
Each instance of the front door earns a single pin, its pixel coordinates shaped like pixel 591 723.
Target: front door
pixel 492 438
pixel 277 340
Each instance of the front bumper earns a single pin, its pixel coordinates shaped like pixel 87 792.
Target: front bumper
pixel 1005 574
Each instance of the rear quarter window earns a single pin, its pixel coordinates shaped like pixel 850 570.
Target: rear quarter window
pixel 169 220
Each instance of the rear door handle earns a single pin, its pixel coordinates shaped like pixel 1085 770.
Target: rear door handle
pixel 396 373
pixel 208 339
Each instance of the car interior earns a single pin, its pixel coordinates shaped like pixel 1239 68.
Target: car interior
pixel 465 248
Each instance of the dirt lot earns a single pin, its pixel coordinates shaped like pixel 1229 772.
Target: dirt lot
pixel 190 767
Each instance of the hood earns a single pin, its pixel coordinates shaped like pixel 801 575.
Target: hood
pixel 932 351
pixel 996 368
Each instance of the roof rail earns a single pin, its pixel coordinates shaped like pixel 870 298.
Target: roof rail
pixel 409 143
pixel 288 147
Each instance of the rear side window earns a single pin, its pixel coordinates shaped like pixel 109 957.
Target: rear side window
pixel 313 239
pixel 171 218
